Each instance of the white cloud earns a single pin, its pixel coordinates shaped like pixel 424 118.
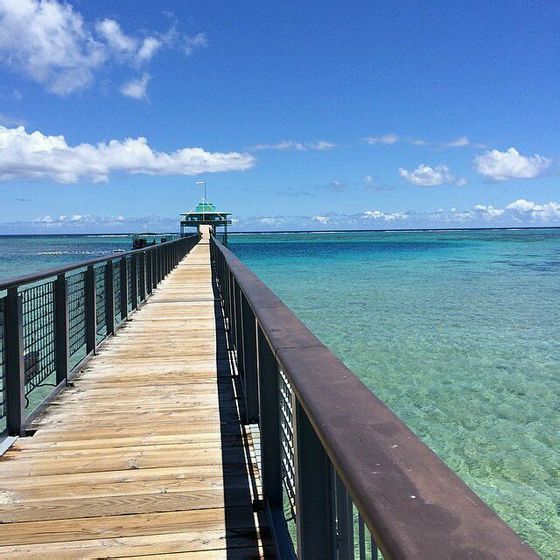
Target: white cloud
pixel 320 146
pixel 385 139
pixel 117 41
pixel 426 176
pixel 272 221
pixel 198 41
pixel 387 217
pixel 321 219
pixel 50 43
pixel 149 47
pixel 136 88
pixel 368 179
pixel 499 166
pixel 389 139
pixel 488 211
pixel 126 46
pixel 37 156
pixel 543 212
pixel 457 143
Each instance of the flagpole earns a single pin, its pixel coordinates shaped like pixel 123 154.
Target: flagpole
pixel 203 183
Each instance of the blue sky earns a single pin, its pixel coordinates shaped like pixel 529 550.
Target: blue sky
pixel 299 115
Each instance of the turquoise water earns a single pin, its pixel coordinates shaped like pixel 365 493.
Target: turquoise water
pixel 26 254
pixel 458 332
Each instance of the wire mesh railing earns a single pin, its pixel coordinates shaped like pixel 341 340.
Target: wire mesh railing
pixel 100 299
pixel 76 290
pixel 50 322
pixel 39 360
pixel 129 284
pixel 117 290
pixel 285 402
pixel 342 477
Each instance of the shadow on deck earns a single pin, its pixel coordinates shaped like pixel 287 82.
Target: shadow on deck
pixel 246 524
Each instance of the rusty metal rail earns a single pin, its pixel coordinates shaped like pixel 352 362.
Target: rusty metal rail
pixel 356 479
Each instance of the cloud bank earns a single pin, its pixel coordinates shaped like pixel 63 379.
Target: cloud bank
pixel 35 155
pixel 518 213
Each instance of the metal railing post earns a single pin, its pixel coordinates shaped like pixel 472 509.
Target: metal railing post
pixel 149 272
pixel 90 315
pixel 142 276
pixel 238 331
pixel 231 309
pixel 124 289
pixel 269 422
pixel 15 369
pixel 249 354
pixel 61 327
pixel 134 283
pixel 109 298
pixel 158 265
pixel 314 493
pixel 345 521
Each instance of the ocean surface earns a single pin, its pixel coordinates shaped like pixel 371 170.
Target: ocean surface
pixel 458 332
pixel 21 254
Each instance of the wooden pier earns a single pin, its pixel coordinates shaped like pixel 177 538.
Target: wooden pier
pixel 144 455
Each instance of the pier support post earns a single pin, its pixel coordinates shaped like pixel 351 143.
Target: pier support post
pixel 314 493
pixel 61 327
pixel 15 369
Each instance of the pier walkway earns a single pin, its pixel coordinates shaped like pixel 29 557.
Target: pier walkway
pixel 145 454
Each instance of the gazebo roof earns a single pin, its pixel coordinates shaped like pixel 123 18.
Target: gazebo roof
pixel 204 208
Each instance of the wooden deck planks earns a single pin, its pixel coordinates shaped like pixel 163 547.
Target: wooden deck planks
pixel 145 454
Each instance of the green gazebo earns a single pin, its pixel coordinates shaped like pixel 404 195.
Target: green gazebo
pixel 206 213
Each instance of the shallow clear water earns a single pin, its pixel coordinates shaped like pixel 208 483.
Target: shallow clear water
pixel 458 332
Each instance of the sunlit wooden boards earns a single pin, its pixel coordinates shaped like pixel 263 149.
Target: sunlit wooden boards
pixel 144 455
